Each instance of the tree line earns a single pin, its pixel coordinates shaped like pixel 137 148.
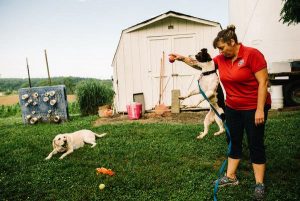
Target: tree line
pixel 12 85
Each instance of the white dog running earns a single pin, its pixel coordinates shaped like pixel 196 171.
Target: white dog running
pixel 68 142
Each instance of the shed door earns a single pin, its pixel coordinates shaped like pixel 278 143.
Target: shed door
pixel 184 76
pixel 177 75
pixel 160 73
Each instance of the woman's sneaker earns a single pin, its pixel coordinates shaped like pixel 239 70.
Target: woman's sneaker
pixel 226 181
pixel 259 191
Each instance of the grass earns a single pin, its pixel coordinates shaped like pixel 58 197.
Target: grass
pixel 151 161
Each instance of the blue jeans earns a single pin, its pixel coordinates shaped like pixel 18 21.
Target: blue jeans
pixel 240 120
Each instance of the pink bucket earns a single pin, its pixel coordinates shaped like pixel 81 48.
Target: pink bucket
pixel 134 110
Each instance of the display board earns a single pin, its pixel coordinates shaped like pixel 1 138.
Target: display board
pixel 44 104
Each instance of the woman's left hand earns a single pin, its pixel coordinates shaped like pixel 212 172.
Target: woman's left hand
pixel 259 117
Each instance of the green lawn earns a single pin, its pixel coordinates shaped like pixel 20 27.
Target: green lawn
pixel 151 161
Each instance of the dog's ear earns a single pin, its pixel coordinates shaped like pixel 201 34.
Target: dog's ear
pixel 53 143
pixel 69 139
pixel 204 50
pixel 199 57
pixel 205 55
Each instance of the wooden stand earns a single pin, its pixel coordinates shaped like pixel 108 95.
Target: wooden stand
pixel 175 108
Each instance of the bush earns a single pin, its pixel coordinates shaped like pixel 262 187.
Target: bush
pixel 8 92
pixel 91 94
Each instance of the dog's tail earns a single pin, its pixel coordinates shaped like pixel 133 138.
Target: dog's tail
pixel 100 135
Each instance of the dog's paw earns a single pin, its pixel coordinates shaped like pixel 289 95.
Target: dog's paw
pixel 219 132
pixel 201 135
pixel 60 158
pixel 47 158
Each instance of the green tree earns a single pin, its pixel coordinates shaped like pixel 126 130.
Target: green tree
pixel 67 81
pixel 290 12
pixel 14 84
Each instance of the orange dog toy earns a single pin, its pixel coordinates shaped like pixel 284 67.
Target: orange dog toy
pixel 103 170
pixel 171 59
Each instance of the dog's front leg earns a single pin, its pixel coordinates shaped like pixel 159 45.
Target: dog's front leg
pixel 66 153
pixel 194 92
pixel 208 95
pixel 51 154
pixel 200 101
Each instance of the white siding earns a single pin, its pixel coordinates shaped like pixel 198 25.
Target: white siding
pixel 121 78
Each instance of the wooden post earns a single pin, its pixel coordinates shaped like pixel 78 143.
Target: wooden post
pixel 175 108
pixel 47 68
pixel 160 83
pixel 28 73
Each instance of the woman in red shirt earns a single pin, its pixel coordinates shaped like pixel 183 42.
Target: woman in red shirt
pixel 243 73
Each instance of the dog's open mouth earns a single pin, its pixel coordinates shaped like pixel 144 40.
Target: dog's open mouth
pixel 65 144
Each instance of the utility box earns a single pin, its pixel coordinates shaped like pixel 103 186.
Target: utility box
pixel 44 104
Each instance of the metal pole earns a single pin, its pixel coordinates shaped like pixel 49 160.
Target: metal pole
pixel 28 73
pixel 47 68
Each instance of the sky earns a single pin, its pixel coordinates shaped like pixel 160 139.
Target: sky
pixel 80 36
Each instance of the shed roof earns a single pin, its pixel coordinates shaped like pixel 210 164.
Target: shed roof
pixel 171 14
pixel 163 16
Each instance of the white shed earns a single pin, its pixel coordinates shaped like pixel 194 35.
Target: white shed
pixel 137 60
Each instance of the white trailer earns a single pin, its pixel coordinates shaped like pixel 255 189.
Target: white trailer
pixel 257 25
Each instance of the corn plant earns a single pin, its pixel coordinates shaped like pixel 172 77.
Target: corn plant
pixel 10 110
pixel 91 94
pixel 73 108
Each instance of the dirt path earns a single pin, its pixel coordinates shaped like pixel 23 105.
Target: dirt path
pixel 182 118
pixel 187 117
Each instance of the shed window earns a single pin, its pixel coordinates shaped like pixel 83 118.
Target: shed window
pixel 170 27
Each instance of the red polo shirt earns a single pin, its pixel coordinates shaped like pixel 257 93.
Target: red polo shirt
pixel 238 78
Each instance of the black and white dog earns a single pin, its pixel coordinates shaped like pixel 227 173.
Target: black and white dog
pixel 210 84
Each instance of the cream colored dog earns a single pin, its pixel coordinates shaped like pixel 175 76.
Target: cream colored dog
pixel 68 142
pixel 209 82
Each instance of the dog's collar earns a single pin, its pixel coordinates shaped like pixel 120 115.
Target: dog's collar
pixel 209 72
